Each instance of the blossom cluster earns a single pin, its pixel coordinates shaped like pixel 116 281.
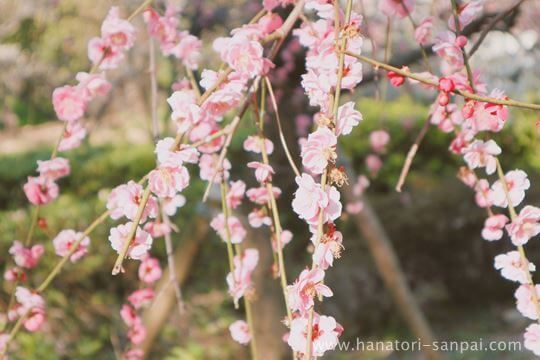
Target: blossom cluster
pixel 198 110
pixel 149 272
pixel 70 103
pixel 470 121
pixel 317 199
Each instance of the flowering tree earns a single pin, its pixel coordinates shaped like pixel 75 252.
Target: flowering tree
pixel 208 108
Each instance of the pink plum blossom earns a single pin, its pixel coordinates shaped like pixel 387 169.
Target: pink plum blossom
pixel 163 28
pixel 15 274
pixel 149 270
pixel 40 190
pixel 286 237
pixel 239 281
pixel 28 299
pixel 134 354
pixel 137 333
pixel 34 319
pixel 253 144
pixel 422 33
pixel 236 193
pixel 141 297
pixel 157 228
pixel 308 285
pixel 53 169
pixel 242 54
pixel 32 306
pixel 397 8
pixel 325 334
pixel 74 134
pixel 482 197
pixel 171 205
pixel 329 248
pixel 240 332
pixel 167 156
pixel 65 241
pixel 260 195
pixel 445 46
pixel 378 140
pixel 362 183
pixel 93 84
pixel 513 267
pixel 138 247
pixel 69 103
pixel 482 154
pixel 466 14
pixel 319 150
pixel 101 54
pixel 525 226
pixel 484 116
pixel 166 181
pixel 188 50
pixel 309 200
pixel 445 117
pixel 355 207
pixel 236 230
pixel 373 163
pixel 516 182
pixel 185 111
pixel 493 227
pixel 263 172
pixel 525 302
pixel 26 257
pixel 208 166
pixel 258 218
pixel 118 33
pixel 128 315
pixel 532 338
pixel 124 200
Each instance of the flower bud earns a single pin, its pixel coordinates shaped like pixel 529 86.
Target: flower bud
pixel 446 85
pixel 395 79
pixel 461 41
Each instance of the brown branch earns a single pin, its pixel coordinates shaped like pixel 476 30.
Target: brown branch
pixel 465 94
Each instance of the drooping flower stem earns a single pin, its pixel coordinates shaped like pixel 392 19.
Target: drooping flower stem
pixel 74 248
pixel 521 249
pixel 231 253
pixel 55 272
pixel 33 223
pixel 117 268
pixel 155 135
pixel 455 11
pixel 281 135
pixel 341 61
pixel 414 25
pixel 272 204
pixel 337 93
pixel 249 318
pixel 225 210
pixel 139 10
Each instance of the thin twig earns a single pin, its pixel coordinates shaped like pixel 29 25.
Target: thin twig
pixel 465 94
pixel 278 120
pixel 491 25
pixel 411 154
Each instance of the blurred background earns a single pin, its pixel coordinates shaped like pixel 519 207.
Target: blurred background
pixel 433 225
